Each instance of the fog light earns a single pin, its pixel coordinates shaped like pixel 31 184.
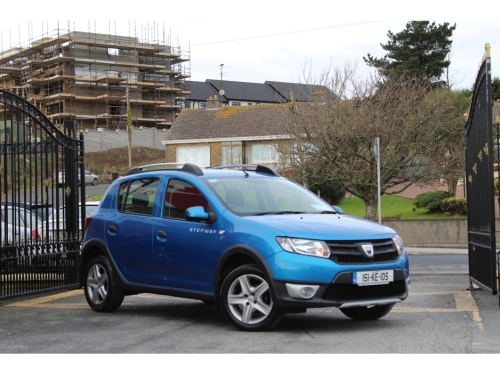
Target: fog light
pixel 302 291
pixel 306 292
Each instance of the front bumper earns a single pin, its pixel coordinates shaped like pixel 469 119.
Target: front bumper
pixel 341 292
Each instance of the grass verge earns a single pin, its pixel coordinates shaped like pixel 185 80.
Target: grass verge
pixel 393 207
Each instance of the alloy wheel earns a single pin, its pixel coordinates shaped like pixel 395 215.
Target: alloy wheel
pixel 97 284
pixel 249 299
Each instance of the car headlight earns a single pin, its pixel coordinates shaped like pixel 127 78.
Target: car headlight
pixel 399 244
pixel 304 246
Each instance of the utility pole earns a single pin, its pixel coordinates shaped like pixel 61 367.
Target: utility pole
pixel 129 129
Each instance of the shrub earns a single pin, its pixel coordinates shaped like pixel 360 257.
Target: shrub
pixel 497 186
pixel 331 191
pixel 430 200
pixel 457 206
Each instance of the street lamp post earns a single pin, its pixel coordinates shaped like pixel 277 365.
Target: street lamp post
pixel 376 150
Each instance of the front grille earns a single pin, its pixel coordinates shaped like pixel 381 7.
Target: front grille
pixel 350 252
pixel 353 292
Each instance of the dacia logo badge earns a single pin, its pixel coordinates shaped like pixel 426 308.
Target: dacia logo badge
pixel 368 250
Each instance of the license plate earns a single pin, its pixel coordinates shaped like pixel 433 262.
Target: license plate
pixel 373 277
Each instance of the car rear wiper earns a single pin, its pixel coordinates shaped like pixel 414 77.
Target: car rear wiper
pixel 280 213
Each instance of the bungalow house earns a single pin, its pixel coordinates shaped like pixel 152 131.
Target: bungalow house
pixel 227 135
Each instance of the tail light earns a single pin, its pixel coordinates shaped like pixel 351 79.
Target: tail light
pixel 86 224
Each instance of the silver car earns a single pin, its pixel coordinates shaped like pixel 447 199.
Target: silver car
pixel 90 178
pixel 18 225
pixel 56 223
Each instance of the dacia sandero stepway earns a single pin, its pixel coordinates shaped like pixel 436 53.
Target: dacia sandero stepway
pixel 256 244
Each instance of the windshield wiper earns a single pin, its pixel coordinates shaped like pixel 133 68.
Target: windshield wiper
pixel 280 213
pixel 326 212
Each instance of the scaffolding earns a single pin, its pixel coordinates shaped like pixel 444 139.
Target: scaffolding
pixel 86 76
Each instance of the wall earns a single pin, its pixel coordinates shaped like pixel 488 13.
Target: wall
pixel 97 141
pixel 433 233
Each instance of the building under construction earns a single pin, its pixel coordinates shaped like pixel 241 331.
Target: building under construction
pixel 94 78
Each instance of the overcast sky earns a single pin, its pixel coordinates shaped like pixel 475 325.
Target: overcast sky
pixel 264 40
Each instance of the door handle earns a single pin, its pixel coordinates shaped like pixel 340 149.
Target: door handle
pixel 112 228
pixel 162 234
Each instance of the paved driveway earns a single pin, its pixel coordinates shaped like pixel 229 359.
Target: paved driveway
pixel 440 316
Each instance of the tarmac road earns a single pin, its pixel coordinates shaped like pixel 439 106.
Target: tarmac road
pixel 441 315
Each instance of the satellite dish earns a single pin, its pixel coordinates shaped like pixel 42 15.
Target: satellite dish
pixel 222 92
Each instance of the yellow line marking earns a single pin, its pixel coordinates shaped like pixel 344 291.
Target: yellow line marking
pixel 437 293
pixel 422 309
pixel 465 302
pixel 39 301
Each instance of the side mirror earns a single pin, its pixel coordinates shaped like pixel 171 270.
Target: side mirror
pixel 338 209
pixel 198 214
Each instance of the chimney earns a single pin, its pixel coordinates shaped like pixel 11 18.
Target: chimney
pixel 319 96
pixel 213 102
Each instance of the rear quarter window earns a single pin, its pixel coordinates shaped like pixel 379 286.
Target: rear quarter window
pixel 137 196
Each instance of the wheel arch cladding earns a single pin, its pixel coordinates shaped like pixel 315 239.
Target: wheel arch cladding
pixel 92 249
pixel 235 257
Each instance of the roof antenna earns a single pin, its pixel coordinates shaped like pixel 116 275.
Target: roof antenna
pixel 221 91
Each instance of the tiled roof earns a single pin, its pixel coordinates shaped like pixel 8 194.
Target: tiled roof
pixel 302 92
pixel 246 91
pixel 229 122
pixel 200 91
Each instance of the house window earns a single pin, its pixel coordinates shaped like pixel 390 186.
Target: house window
pixel 199 155
pixel 231 153
pixel 304 151
pixel 236 104
pixel 264 153
pixel 250 103
pixel 203 105
pixel 187 105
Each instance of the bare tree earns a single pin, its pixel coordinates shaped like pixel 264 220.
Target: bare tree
pixel 331 138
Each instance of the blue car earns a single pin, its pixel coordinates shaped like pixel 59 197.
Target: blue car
pixel 255 244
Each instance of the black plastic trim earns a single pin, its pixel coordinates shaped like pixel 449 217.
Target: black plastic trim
pixel 288 302
pixel 249 167
pixel 249 252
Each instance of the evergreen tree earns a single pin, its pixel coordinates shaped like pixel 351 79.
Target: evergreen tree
pixel 420 51
pixel 495 85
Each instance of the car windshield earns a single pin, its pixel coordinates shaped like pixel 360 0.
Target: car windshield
pixel 266 196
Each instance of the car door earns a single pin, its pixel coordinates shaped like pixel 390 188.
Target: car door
pixel 128 230
pixel 184 251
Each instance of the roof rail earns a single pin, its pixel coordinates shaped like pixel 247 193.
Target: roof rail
pixel 186 167
pixel 249 167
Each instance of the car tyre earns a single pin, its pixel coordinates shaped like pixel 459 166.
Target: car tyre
pixel 94 182
pixel 100 286
pixel 367 312
pixel 247 301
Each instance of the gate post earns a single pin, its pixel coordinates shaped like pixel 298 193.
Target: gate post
pixel 71 183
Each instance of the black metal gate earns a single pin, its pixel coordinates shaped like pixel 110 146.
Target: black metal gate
pixel 480 183
pixel 40 201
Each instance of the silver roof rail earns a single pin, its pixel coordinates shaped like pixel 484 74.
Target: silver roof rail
pixel 249 167
pixel 183 167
